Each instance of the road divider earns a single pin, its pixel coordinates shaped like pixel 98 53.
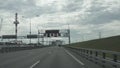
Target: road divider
pixel 16 48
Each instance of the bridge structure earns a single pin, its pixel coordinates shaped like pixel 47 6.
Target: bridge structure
pixel 41 33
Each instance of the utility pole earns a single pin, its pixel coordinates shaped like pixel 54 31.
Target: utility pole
pixel 16 24
pixel 30 30
pixel 38 37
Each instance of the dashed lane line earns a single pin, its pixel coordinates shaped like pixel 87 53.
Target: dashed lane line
pixel 32 66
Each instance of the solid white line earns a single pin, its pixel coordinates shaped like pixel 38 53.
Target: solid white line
pixel 35 64
pixel 74 57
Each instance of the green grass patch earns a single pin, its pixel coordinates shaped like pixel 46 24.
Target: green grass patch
pixel 111 44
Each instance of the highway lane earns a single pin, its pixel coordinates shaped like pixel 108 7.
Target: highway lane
pixel 49 57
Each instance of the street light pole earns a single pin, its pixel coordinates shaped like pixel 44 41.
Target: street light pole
pixel 30 28
pixel 69 34
pixel 1 24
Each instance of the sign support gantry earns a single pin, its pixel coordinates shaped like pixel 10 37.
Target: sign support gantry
pixel 16 24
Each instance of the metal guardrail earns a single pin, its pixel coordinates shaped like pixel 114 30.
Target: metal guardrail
pixel 7 49
pixel 104 58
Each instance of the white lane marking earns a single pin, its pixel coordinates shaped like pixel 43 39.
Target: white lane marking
pixel 35 64
pixel 74 57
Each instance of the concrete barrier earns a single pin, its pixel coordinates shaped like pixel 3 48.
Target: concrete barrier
pixel 7 49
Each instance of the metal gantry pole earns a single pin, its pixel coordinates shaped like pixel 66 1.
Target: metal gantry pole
pixel 16 31
pixel 16 24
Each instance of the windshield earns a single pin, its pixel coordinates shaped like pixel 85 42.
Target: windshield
pixel 59 33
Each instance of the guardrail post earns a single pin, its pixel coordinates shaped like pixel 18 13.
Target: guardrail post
pixel 91 55
pixel 87 51
pixel 83 52
pixel 96 55
pixel 87 54
pixel 115 59
pixel 104 57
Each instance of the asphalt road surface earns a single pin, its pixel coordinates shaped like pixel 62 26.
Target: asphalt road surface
pixel 49 57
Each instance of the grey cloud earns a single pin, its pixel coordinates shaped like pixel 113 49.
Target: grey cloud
pixel 97 14
pixel 15 5
pixel 100 14
pixel 73 5
pixel 101 18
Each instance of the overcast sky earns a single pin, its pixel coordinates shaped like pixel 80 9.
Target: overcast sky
pixel 86 17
